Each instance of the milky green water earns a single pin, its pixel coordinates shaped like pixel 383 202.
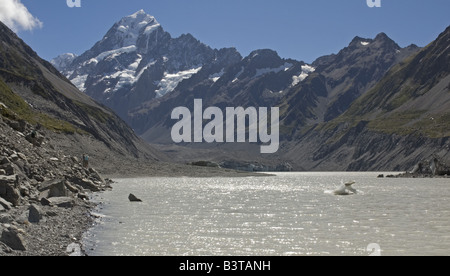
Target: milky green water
pixel 289 214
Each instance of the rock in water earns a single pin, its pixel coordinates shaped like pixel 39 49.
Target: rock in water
pixel 133 198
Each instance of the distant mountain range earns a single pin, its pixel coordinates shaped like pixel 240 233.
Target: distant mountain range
pixel 331 110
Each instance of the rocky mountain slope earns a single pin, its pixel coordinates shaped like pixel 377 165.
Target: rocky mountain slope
pixel 402 120
pixel 342 78
pixel 33 91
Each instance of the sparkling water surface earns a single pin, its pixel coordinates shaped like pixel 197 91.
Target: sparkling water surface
pixel 288 214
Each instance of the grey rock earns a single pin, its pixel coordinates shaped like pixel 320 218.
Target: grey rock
pixel 63 202
pixel 133 198
pixel 13 238
pixel 2 172
pixel 35 213
pixel 22 156
pixel 2 209
pixel 75 159
pixel 56 188
pixel 95 175
pixel 45 201
pixel 51 213
pixel 5 204
pixel 8 190
pixel 71 188
pixel 85 184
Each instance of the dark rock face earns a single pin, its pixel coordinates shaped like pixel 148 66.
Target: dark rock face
pixel 35 213
pixel 13 237
pixel 8 189
pixel 133 198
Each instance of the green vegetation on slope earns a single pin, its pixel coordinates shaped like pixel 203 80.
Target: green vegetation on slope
pixel 18 109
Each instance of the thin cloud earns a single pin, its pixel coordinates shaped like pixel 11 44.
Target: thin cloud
pixel 17 17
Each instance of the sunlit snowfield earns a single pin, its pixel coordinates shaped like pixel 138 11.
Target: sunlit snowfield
pixel 289 214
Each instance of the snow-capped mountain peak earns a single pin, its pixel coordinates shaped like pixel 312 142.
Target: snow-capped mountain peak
pixel 63 60
pixel 131 27
pixel 137 61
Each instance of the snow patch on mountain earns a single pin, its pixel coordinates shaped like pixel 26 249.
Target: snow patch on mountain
pixel 263 71
pixel 79 82
pixel 236 78
pixel 62 61
pixel 215 77
pixel 171 81
pixel 306 70
pixel 115 53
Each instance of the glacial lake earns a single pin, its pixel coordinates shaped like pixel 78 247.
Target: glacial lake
pixel 288 214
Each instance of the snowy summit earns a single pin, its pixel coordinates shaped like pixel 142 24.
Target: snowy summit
pixel 131 27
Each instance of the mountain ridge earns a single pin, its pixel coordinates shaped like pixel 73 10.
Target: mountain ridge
pixel 312 97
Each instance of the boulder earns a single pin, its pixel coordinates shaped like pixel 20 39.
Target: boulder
pixel 133 198
pixel 22 156
pixel 5 204
pixel 45 201
pixel 85 184
pixel 35 213
pixel 71 188
pixel 2 172
pixel 56 188
pixel 63 202
pixel 95 175
pixel 13 238
pixel 75 159
pixel 8 190
pixel 51 213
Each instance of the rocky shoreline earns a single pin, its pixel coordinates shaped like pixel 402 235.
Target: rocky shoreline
pixel 44 194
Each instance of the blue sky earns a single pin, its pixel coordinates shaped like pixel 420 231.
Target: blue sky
pixel 299 29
